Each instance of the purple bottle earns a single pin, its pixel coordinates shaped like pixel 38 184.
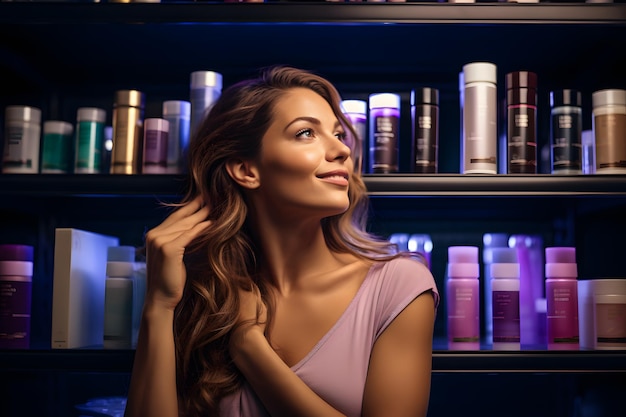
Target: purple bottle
pixel 463 298
pixel 384 133
pixel 16 274
pixel 562 298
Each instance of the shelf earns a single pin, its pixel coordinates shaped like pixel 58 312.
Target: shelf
pixel 379 185
pixel 313 12
pixel 97 360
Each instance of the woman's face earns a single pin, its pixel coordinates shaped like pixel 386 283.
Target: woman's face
pixel 304 165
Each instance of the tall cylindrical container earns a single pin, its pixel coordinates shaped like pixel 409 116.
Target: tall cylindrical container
pixel 16 275
pixel 463 298
pixel 566 129
pixel 155 141
pixel 118 297
pixel 609 126
pixel 505 273
pixel 562 298
pixel 480 116
pixel 89 140
pixel 425 129
pixel 22 137
pixel 205 89
pixel 490 241
pixel 178 114
pixel 127 132
pixel 384 131
pixel 356 112
pixel 521 98
pixel 57 147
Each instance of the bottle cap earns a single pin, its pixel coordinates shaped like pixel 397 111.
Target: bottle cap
pixel 121 254
pixel 16 268
pixel 425 95
pixel 521 79
pixel 504 256
pixel 16 253
pixel 354 106
pixel 177 107
pixel 91 114
pixel 161 125
pixel 132 98
pixel 565 98
pixel 202 79
pixel 462 254
pixel 384 100
pixel 505 270
pixel 609 97
pixel 57 127
pixel 120 269
pixel 480 71
pixel 561 255
pixel 23 114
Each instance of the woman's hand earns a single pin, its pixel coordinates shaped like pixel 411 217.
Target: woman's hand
pixel 165 248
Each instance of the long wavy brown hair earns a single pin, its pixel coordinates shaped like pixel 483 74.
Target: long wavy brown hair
pixel 224 259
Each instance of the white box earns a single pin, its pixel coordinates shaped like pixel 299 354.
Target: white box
pixel 80 259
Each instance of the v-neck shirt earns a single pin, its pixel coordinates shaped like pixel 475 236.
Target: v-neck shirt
pixel 336 368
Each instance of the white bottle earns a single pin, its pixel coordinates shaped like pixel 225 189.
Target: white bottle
pixel 505 285
pixel 480 115
pixel 118 298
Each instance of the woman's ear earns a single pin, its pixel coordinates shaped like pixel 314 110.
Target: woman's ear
pixel 244 172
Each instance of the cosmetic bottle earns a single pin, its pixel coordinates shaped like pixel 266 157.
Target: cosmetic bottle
pixel 505 273
pixel 57 147
pixel 401 240
pixel 531 292
pixel 205 89
pixel 118 297
pixel 89 140
pixel 356 112
pixel 127 132
pixel 562 298
pixel 490 241
pixel 425 129
pixel 155 141
pixel 22 136
pixel 384 132
pixel 566 127
pixel 463 298
pixel 521 98
pixel 16 276
pixel 588 152
pixel 479 119
pixel 609 126
pixel 421 243
pixel 177 113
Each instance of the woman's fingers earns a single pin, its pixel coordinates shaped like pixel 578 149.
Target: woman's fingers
pixel 194 206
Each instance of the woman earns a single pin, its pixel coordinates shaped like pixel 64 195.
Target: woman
pixel 265 294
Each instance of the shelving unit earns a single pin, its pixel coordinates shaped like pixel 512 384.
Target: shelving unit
pixel 60 56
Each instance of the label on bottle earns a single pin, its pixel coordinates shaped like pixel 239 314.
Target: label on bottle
pixel 610 131
pixel 425 138
pixel 480 129
pixel 155 148
pixel 89 137
pixel 15 307
pixel 522 139
pixel 21 149
pixel 562 312
pixel 463 312
pixel 566 133
pixel 611 325
pixel 506 317
pixel 384 143
pixel 55 154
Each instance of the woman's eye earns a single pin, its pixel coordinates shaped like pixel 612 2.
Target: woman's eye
pixel 304 132
pixel 342 136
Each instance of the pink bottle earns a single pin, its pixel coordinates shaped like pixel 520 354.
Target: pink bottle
pixel 562 298
pixel 463 298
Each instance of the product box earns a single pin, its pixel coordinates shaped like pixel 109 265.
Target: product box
pixel 80 259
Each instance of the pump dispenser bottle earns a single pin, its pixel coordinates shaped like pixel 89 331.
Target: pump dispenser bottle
pixel 463 298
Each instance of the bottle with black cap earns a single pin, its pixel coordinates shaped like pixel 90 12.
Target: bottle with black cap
pixel 425 129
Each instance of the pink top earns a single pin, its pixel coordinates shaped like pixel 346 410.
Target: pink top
pixel 336 368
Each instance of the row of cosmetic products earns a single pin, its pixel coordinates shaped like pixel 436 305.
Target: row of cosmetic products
pixel 527 302
pixel 601 150
pixel 132 145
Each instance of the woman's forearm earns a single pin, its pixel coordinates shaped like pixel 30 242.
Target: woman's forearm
pixel 282 392
pixel 152 390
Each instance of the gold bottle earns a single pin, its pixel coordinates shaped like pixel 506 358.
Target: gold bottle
pixel 127 132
